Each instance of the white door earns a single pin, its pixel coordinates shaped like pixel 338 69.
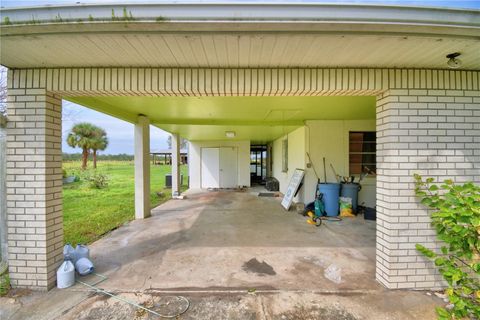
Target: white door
pixel 219 167
pixel 228 167
pixel 210 168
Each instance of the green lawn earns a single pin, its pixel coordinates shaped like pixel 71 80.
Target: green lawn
pixel 89 213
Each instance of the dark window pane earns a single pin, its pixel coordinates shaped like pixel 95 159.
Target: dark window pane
pixel 362 152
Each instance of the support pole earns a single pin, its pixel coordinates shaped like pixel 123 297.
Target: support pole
pixel 175 165
pixel 142 168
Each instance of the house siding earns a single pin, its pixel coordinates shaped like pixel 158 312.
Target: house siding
pixel 330 139
pixel 296 160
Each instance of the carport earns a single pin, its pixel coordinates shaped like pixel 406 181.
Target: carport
pixel 426 117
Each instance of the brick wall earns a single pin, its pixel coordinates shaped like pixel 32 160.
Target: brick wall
pixel 34 187
pixel 435 133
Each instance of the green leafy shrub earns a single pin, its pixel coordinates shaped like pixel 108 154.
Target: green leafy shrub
pixel 456 219
pixel 4 285
pixel 98 181
pixel 4 279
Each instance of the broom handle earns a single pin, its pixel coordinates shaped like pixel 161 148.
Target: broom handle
pixel 324 171
pixel 335 173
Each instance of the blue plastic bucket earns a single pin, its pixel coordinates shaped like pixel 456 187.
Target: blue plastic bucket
pixel 331 197
pixel 350 190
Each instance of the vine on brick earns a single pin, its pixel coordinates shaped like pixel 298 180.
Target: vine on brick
pixel 456 219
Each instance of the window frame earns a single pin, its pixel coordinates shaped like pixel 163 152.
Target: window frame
pixel 363 163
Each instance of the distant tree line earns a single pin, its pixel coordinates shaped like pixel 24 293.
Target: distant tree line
pixel 118 157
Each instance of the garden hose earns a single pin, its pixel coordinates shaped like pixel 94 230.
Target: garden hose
pixel 112 295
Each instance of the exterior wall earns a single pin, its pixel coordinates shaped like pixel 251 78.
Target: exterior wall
pixel 296 160
pixel 34 187
pixel 329 139
pixel 321 138
pixel 427 122
pixel 195 152
pixel 435 133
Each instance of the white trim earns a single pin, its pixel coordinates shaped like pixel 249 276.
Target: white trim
pixel 462 22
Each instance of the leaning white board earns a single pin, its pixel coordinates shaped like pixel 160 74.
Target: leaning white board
pixel 292 188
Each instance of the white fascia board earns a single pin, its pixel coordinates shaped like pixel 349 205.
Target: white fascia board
pixel 245 12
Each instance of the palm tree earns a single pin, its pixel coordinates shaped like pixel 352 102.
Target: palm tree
pixel 82 135
pixel 100 142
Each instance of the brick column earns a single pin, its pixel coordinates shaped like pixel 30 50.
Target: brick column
pixel 435 133
pixel 34 187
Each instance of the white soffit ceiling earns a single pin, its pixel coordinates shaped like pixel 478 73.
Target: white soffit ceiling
pixel 235 50
pixel 238 34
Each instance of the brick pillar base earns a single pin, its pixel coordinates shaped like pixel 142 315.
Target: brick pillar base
pixel 34 187
pixel 435 133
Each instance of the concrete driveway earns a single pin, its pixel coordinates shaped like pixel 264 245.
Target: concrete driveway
pixel 234 255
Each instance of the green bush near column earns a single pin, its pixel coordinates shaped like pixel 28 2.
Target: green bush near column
pixel 456 219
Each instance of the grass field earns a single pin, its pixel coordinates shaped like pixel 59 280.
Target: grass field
pixel 88 213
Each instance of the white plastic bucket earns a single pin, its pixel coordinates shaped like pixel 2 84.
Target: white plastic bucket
pixel 66 275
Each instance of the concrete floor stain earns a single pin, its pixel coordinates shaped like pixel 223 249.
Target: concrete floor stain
pixel 260 268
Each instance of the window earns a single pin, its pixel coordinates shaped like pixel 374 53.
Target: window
pixel 285 155
pixel 362 152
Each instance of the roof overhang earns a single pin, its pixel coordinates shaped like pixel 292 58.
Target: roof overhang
pixel 91 27
pixel 235 35
pixel 238 34
pixel 191 16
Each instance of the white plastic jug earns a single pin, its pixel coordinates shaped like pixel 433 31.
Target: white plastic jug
pixel 68 253
pixel 81 251
pixel 66 275
pixel 84 266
